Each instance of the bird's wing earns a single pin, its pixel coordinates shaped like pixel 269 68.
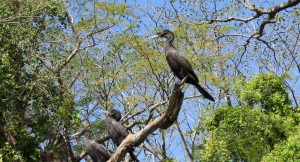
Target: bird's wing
pixel 119 128
pixel 180 64
pixel 97 152
pixel 100 150
pixel 116 130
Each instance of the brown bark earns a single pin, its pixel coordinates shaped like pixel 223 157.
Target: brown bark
pixel 6 132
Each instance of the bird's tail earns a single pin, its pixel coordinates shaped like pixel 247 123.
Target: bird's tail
pixel 204 92
pixel 133 157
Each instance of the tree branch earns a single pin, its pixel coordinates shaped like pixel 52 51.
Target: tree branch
pixel 184 142
pixel 6 132
pixel 271 12
pixel 275 9
pixel 163 122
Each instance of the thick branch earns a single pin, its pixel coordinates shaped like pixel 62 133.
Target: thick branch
pixel 6 132
pixel 163 122
pixel 271 12
pixel 275 9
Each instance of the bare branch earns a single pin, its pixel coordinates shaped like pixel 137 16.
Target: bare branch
pixel 70 17
pixel 184 142
pixel 154 152
pixel 164 121
pixel 78 48
pixel 235 18
pixel 271 12
pixel 275 9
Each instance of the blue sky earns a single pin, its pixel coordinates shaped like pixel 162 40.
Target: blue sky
pixel 193 108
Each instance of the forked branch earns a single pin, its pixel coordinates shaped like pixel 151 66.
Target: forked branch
pixel 163 122
pixel 271 12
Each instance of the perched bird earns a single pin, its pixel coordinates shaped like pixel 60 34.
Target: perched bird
pixel 179 65
pixel 116 130
pixel 93 149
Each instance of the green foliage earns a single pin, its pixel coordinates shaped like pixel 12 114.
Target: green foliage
pixel 226 29
pixel 247 133
pixel 241 133
pixel 214 151
pixel 288 150
pixel 107 12
pixel 169 160
pixel 9 154
pixel 120 68
pixel 29 97
pixel 7 83
pixel 98 127
pixel 268 91
pixel 296 12
pixel 113 8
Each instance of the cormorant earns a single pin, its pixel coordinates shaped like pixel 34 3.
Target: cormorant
pixel 94 150
pixel 178 64
pixel 116 130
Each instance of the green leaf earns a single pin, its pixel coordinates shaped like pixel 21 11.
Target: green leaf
pixel 225 29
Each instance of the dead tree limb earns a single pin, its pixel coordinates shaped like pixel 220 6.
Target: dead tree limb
pixel 163 122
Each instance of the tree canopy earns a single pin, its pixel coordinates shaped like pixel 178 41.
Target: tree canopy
pixel 62 62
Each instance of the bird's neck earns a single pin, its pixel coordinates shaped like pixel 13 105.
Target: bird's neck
pixel 86 140
pixel 169 44
pixel 169 41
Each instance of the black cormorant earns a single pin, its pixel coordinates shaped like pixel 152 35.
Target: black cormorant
pixel 93 149
pixel 178 64
pixel 116 130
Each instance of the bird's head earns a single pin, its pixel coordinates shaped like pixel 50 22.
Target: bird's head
pixel 164 33
pixel 113 113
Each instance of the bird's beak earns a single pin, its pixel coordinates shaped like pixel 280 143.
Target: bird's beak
pixel 106 112
pixel 76 134
pixel 154 36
